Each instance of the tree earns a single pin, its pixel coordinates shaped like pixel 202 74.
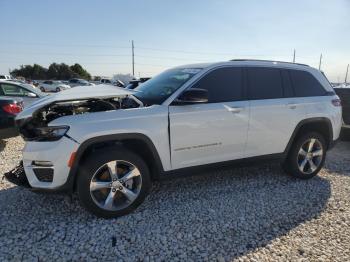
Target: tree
pixel 80 71
pixel 55 71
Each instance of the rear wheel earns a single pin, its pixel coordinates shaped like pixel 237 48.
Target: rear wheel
pixel 307 156
pixel 113 183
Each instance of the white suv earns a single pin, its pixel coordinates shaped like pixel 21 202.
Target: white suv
pixel 109 144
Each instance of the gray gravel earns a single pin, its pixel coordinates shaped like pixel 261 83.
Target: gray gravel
pixel 255 213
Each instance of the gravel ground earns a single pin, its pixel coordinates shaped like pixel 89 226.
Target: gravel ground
pixel 255 214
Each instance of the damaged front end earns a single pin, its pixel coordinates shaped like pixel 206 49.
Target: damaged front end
pixel 34 126
pixel 17 176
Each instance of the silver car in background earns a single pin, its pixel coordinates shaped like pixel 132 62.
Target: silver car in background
pixel 26 92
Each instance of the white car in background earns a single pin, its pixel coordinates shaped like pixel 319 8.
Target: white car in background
pixel 53 86
pixel 79 82
pixel 5 77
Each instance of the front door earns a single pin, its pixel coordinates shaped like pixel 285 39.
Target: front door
pixel 215 131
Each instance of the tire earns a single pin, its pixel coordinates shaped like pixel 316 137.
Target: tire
pixel 298 163
pixel 93 192
pixel 42 89
pixel 58 89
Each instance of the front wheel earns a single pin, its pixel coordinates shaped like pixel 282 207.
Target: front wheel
pixel 112 183
pixel 307 156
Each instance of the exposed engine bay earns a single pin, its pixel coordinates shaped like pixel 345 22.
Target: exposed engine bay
pixel 66 108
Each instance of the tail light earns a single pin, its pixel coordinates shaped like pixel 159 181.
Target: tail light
pixel 13 109
pixel 336 102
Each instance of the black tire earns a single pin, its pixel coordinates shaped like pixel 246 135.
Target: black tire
pixel 92 164
pixel 291 164
pixel 58 89
pixel 42 89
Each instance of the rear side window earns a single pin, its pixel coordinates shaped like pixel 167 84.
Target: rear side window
pixel 223 85
pixel 287 84
pixel 305 84
pixel 264 83
pixel 13 90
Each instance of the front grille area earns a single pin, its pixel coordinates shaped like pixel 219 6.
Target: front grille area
pixel 44 174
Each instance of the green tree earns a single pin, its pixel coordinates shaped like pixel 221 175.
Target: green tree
pixel 55 71
pixel 80 71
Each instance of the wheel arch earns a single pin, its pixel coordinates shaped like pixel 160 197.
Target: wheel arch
pixel 139 143
pixel 321 125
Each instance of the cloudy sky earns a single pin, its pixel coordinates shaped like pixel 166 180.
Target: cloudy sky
pixel 98 34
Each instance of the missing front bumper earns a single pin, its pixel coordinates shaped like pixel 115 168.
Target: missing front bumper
pixel 17 176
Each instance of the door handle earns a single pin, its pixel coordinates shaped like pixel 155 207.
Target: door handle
pixel 234 109
pixel 292 105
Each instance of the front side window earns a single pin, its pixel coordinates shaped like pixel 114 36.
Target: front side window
pixel 13 90
pixel 223 85
pixel 306 84
pixel 159 88
pixel 264 83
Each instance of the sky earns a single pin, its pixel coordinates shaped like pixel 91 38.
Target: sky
pixel 167 33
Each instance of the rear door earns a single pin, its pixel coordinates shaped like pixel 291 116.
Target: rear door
pixel 214 131
pixel 274 111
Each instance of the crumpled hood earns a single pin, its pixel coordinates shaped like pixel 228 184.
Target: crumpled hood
pixel 76 93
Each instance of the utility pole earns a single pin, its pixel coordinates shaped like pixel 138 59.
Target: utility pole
pixel 346 75
pixel 133 59
pixel 319 66
pixel 294 56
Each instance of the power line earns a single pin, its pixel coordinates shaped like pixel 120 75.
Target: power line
pixel 66 54
pixel 74 45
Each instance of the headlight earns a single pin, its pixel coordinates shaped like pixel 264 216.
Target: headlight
pixel 50 133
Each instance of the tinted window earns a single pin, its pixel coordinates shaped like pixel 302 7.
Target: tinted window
pixel 264 83
pixel 287 84
pixel 305 84
pixel 223 85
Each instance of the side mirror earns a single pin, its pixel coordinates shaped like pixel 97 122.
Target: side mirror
pixel 192 96
pixel 32 95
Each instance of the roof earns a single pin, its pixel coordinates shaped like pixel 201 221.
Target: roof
pixel 248 62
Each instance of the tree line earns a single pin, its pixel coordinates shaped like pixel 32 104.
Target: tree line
pixel 54 72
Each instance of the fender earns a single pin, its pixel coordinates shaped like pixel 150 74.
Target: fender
pixel 308 121
pixel 69 185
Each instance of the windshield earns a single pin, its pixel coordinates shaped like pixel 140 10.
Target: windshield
pixel 159 88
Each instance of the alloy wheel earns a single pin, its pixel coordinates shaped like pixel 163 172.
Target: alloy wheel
pixel 115 185
pixel 310 156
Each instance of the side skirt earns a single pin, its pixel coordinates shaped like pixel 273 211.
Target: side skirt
pixel 196 170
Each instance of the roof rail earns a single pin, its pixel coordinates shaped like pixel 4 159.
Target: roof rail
pixel 261 60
